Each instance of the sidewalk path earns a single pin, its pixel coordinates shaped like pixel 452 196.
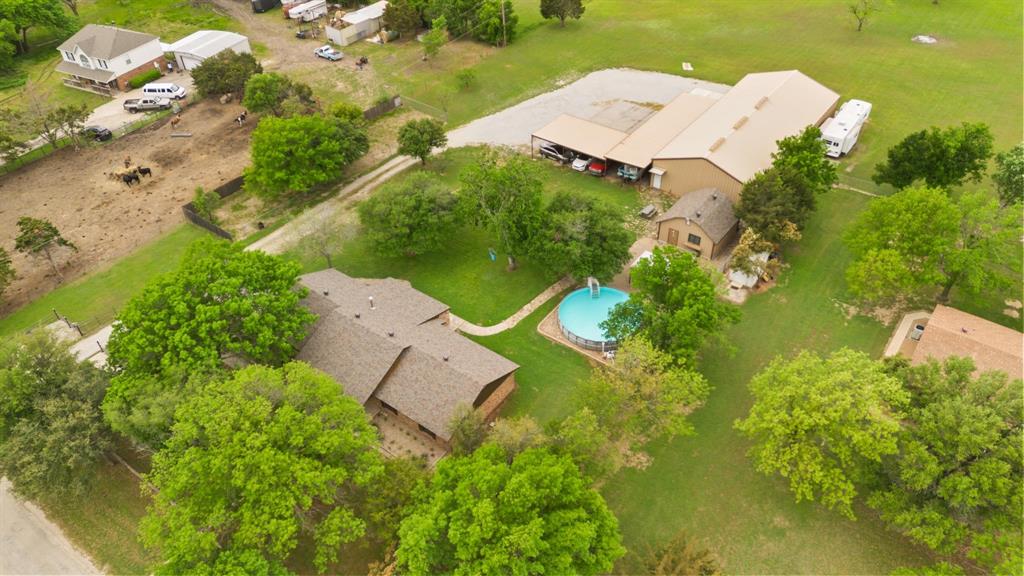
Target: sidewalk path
pixel 31 544
pixel 475 330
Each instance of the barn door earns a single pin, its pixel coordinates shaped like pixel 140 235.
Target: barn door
pixel 673 236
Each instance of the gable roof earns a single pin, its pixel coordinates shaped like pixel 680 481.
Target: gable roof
pixel 581 135
pixel 951 332
pixel 397 351
pixel 708 208
pixel 738 133
pixel 371 12
pixel 206 43
pixel 106 42
pixel 639 148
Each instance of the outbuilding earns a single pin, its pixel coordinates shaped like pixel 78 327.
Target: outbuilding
pixel 701 222
pixel 357 25
pixel 191 50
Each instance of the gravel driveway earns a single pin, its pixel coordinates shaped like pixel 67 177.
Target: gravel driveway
pixel 590 96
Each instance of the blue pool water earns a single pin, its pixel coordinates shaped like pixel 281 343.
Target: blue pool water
pixel 582 314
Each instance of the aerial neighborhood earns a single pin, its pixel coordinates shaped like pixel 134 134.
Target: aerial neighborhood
pixel 418 287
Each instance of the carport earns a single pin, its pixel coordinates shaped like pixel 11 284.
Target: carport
pixel 191 50
pixel 578 135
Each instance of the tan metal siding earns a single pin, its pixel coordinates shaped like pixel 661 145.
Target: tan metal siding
pixel 689 174
pixel 707 246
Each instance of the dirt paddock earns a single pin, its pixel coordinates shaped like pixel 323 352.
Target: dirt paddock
pixel 105 218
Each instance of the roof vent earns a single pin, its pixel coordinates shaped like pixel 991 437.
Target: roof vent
pixel 716 145
pixel 740 122
pixel 761 102
pixel 445 358
pixel 358 315
pixel 714 195
pixel 372 307
pixel 698 213
pixel 391 333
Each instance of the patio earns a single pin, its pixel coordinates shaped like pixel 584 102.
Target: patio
pixel 399 438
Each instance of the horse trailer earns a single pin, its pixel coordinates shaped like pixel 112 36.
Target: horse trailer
pixel 840 132
pixel 264 5
pixel 309 11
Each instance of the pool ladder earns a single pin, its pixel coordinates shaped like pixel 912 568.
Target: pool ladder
pixel 595 287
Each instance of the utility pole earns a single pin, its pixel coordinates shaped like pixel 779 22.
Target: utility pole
pixel 504 34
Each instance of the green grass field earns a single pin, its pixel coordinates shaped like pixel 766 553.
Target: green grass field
pixel 461 274
pixel 93 300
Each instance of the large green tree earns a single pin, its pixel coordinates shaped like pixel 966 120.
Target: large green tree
pixel 295 154
pixel 221 301
pixel 401 16
pixel 776 203
pixel 496 22
pixel 38 237
pixel 562 9
pixel 51 427
pixel 1009 175
pixel 956 482
pixel 8 45
pixel 919 244
pixel 582 237
pixel 681 555
pixel 435 38
pixel 226 73
pixel 644 395
pixel 503 193
pixel 484 516
pixel 824 423
pixel 418 138
pixel 28 14
pixel 805 153
pixel 252 465
pixel 415 215
pixel 675 305
pixel 581 437
pixel 942 158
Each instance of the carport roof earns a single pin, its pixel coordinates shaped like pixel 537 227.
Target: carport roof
pixel 580 135
pixel 639 148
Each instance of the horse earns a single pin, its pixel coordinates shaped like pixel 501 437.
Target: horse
pixel 175 121
pixel 240 119
pixel 143 171
pixel 130 178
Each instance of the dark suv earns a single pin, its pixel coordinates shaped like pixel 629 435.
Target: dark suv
pixel 97 133
pixel 552 151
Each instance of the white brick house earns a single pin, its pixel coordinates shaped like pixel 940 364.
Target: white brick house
pixel 103 59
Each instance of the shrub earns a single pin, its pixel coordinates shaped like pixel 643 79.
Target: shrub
pixel 466 78
pixel 144 78
pixel 205 202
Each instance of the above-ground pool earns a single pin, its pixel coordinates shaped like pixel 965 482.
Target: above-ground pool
pixel 580 315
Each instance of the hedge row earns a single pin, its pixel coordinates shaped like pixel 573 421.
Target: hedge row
pixel 144 78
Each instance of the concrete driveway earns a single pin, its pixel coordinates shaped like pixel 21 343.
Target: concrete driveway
pixel 112 115
pixel 31 544
pixel 619 98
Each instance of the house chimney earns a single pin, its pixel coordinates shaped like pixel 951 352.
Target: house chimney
pixel 372 307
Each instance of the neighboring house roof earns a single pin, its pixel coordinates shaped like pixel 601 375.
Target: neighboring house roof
pixel 371 12
pixel 738 133
pixel 951 332
pixel 639 148
pixel 581 135
pixel 94 74
pixel 105 42
pixel 206 43
pixel 707 208
pixel 396 351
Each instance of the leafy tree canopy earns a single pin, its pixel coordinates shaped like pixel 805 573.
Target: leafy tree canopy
pixel 402 17
pixel 435 37
pixel 775 202
pixel 7 274
pixel 482 515
pixel 252 464
pixel 562 9
pixel 908 246
pixel 51 427
pixel 824 423
pixel 272 92
pixel 40 238
pixel 468 428
pixel 582 237
pixel 582 438
pixel 942 158
pixel 415 215
pixel 226 73
pixel 805 154
pixel 1009 175
pixel 496 22
pixel 418 138
pixel 28 14
pixel 221 300
pixel 674 305
pixel 956 481
pixel 295 154
pixel 681 555
pixel 503 193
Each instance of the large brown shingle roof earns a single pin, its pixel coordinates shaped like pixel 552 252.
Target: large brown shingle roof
pixel 951 332
pixel 105 42
pixel 708 208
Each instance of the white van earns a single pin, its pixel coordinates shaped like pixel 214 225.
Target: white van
pixel 164 90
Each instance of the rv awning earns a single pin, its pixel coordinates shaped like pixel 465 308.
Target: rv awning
pixel 580 135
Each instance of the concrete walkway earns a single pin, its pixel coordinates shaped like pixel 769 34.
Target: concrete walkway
pixel 31 544
pixel 475 330
pixel 900 334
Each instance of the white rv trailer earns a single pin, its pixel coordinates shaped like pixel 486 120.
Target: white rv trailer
pixel 840 132
pixel 308 11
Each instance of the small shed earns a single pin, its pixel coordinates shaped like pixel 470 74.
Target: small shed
pixel 357 25
pixel 191 50
pixel 701 222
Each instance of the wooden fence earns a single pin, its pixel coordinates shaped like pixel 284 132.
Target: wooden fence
pixel 382 108
pixel 224 190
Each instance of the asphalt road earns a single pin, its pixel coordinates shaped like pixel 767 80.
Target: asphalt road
pixel 31 544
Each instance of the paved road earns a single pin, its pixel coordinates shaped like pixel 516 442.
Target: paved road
pixel 31 544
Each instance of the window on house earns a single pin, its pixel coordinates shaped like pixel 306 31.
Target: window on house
pixel 103 63
pixel 84 60
pixel 69 56
pixel 427 431
pixel 693 239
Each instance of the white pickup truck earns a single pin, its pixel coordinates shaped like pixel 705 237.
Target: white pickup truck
pixel 134 105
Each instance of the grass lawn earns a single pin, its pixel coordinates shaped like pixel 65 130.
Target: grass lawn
pixel 912 86
pixel 103 521
pixel 461 273
pixel 706 484
pixel 93 300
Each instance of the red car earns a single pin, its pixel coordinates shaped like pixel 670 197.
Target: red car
pixel 596 167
